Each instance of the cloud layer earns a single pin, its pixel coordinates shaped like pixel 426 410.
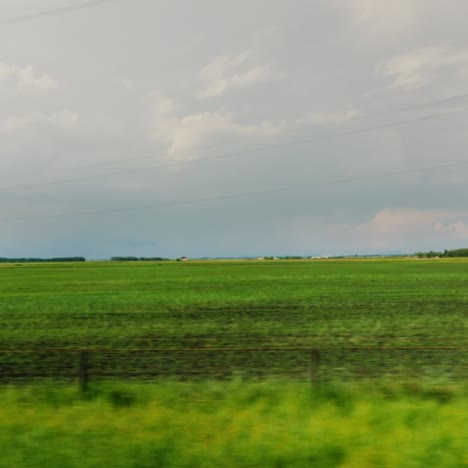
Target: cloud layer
pixel 24 79
pixel 185 133
pixel 226 73
pixel 420 67
pixel 331 96
pixel 61 119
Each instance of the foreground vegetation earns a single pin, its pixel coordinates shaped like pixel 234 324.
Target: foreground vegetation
pixel 236 424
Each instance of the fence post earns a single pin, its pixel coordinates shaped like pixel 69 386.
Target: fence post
pixel 83 375
pixel 314 366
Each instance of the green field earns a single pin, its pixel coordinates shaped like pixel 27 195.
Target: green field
pixel 393 369
pixel 404 305
pixel 336 302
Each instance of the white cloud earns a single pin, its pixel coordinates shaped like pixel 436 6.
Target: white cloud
pixel 384 17
pixel 419 67
pixel 395 226
pixel 396 221
pixel 336 118
pixel 25 79
pixel 61 119
pixel 227 73
pixel 188 132
pixel 389 229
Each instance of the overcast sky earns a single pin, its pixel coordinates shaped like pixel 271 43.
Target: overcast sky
pixel 150 102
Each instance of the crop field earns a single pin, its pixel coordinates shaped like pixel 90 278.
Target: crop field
pixel 367 317
pixel 209 363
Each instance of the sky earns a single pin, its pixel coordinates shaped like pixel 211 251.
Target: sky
pixel 218 129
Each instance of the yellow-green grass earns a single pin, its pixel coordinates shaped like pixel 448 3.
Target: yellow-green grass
pixel 235 424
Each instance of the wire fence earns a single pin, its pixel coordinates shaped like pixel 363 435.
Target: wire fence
pixel 301 363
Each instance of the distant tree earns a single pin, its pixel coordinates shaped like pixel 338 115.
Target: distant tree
pixel 446 253
pixel 153 259
pixel 124 259
pixel 41 260
pixel 458 253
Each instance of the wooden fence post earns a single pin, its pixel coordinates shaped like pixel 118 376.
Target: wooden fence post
pixel 83 374
pixel 314 366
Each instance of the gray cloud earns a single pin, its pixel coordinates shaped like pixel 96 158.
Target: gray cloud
pixel 65 119
pixel 125 87
pixel 420 67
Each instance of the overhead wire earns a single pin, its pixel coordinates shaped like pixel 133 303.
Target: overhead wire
pixel 53 12
pixel 94 3
pixel 240 153
pixel 239 194
pixel 359 117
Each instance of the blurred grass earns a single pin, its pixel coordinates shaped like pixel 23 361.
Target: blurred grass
pixel 235 424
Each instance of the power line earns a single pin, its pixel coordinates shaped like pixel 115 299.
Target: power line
pixel 240 153
pixel 53 12
pixel 239 195
pixel 412 107
pixel 426 104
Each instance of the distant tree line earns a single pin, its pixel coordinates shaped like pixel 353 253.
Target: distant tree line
pixel 139 259
pixel 285 257
pixel 41 260
pixel 444 254
pixel 78 259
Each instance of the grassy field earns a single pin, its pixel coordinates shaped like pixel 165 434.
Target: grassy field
pixel 406 406
pixel 383 302
pixel 326 304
